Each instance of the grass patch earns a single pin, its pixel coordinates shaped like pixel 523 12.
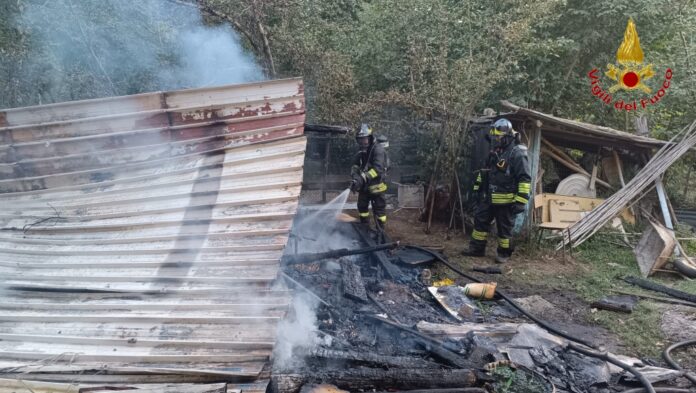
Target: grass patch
pixel 608 263
pixel 639 331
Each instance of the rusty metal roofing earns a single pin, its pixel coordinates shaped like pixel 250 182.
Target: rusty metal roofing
pixel 573 131
pixel 140 235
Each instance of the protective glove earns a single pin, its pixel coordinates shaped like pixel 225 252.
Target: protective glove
pixel 357 183
pixel 354 185
pixel 518 208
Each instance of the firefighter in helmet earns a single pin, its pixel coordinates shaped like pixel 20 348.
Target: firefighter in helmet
pixel 368 175
pixel 501 191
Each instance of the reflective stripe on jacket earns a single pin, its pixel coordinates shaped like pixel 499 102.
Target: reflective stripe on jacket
pixel 373 164
pixel 507 175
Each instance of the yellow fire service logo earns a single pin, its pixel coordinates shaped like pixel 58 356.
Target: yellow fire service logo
pixel 630 74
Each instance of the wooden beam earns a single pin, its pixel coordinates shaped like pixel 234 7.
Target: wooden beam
pixel 593 178
pixel 573 166
pixel 463 329
pixel 370 378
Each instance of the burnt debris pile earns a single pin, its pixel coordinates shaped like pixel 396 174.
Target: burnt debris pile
pixel 376 321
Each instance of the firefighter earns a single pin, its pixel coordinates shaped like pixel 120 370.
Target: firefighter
pixel 501 191
pixel 368 174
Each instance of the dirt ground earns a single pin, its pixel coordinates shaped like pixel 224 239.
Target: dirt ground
pixel 553 277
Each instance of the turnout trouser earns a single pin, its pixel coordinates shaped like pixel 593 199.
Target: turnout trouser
pixel 484 214
pixel 379 206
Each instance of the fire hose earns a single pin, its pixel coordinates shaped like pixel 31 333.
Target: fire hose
pixel 668 358
pixel 588 352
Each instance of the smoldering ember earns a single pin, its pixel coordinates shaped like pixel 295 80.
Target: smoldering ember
pixel 216 196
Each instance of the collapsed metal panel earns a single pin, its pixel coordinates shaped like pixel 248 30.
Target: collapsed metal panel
pixel 140 235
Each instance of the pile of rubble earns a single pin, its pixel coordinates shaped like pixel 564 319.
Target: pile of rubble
pixel 382 325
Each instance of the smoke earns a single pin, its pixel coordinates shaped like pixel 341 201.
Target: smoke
pixel 312 231
pixel 296 333
pixel 321 230
pixel 81 49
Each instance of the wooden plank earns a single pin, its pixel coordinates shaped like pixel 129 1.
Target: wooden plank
pixel 586 204
pixel 654 248
pixel 464 328
pixel 565 212
pixel 566 161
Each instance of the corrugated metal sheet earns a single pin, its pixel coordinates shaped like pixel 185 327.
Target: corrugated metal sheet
pixel 140 235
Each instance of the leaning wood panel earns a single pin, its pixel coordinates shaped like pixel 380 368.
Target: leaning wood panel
pixel 140 236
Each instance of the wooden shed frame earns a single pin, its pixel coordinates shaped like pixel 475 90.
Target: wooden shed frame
pixel 545 133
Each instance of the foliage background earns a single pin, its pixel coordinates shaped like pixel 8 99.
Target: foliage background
pixel 415 69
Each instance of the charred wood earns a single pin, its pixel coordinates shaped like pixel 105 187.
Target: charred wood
pixel 453 390
pixel 353 286
pixel 653 286
pixel 616 303
pixel 487 269
pixel 373 359
pixel 343 252
pixel 433 345
pixel 391 270
pixel 356 379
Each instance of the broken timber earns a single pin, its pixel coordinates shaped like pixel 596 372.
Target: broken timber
pixel 369 378
pixel 374 359
pixel 343 252
pixel 463 329
pixel 623 304
pixel 353 286
pixel 391 270
pixel 435 346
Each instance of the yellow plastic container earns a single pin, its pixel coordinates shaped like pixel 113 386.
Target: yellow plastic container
pixel 480 290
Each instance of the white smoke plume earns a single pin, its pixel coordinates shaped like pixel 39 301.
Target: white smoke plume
pixel 79 49
pixel 297 333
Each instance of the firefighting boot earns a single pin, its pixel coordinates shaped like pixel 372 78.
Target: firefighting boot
pixel 476 249
pixel 381 222
pixel 473 253
pixel 364 217
pixel 502 258
pixel 503 255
